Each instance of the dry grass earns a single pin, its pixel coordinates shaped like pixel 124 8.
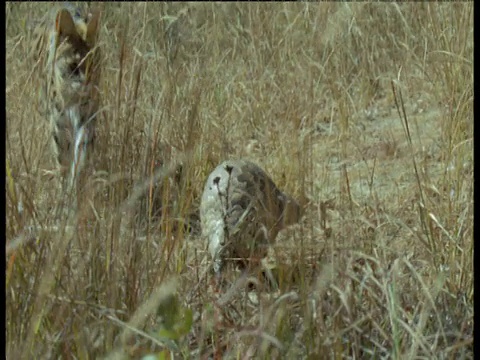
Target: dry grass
pixel 364 109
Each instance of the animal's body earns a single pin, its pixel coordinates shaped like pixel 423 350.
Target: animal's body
pixel 242 211
pixel 69 64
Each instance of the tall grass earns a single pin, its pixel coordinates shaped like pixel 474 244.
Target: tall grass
pixel 364 111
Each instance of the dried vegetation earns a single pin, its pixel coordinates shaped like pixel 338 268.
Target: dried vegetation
pixel 364 109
